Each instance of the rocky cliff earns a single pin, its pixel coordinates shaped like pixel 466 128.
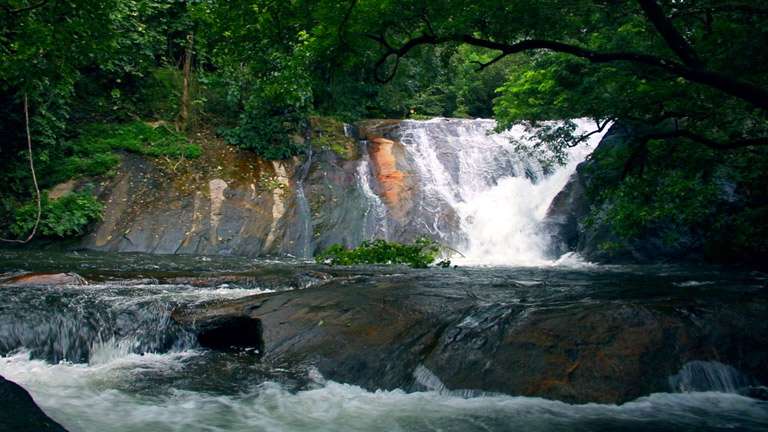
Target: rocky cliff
pixel 229 201
pixel 718 217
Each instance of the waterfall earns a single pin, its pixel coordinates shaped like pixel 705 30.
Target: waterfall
pixel 375 214
pixel 479 194
pixel 303 237
pixel 708 376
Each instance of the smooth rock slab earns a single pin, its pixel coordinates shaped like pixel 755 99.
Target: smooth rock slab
pixel 376 333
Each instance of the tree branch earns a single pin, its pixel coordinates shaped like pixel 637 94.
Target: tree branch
pixel 25 8
pixel 755 95
pixel 600 127
pixel 669 33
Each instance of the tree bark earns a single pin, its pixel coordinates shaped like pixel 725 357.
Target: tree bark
pixel 185 108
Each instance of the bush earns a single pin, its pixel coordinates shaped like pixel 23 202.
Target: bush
pixel 266 133
pixel 92 153
pixel 419 254
pixel 65 217
pixel 137 137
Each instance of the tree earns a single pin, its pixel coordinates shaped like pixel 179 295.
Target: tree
pixel 633 54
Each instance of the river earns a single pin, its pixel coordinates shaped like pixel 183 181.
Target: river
pixel 107 357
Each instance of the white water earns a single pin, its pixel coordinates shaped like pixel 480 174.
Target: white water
pixel 375 216
pixel 100 398
pixel 708 376
pixel 498 195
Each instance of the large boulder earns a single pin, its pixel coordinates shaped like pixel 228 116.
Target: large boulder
pixel 578 202
pixel 19 413
pixel 385 334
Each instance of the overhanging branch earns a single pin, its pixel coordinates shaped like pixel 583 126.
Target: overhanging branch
pixel 11 11
pixel 717 145
pixel 755 95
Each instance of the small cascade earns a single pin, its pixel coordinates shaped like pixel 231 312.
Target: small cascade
pixel 709 376
pixel 375 216
pixel 479 194
pixel 425 379
pixel 303 238
pixel 86 324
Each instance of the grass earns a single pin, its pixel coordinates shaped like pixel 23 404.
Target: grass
pixel 92 153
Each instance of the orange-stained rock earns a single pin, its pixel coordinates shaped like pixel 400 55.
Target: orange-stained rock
pixel 394 183
pixel 30 279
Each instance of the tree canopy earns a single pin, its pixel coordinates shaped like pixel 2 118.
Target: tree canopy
pixel 690 76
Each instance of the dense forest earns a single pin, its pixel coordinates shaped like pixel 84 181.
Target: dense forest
pixel 82 81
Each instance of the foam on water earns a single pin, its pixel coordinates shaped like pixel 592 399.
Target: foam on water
pixel 88 398
pixel 499 195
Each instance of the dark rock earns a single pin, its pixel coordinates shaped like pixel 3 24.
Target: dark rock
pixel 19 413
pixel 758 393
pixel 376 335
pixel 566 217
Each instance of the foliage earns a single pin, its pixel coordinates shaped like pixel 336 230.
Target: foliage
pixel 682 189
pixel 271 184
pixel 420 254
pixel 137 137
pixel 329 134
pixel 263 68
pixel 64 217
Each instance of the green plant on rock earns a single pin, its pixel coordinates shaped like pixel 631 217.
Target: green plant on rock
pixel 271 183
pixel 67 216
pixel 419 254
pixel 138 137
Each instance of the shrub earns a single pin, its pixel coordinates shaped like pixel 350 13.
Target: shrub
pixel 419 254
pixel 265 133
pixel 65 217
pixel 137 137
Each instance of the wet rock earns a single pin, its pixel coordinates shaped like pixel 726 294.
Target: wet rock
pixel 394 184
pixel 19 413
pixel 377 335
pixel 566 217
pixel 32 279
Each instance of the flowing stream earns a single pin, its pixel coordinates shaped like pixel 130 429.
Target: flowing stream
pixel 108 357
pixel 105 357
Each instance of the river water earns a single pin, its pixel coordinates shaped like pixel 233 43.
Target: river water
pixel 106 356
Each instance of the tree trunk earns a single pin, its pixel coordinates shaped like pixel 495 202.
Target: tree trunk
pixel 184 113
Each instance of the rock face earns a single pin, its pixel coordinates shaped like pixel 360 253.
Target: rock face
pixel 569 210
pixel 382 334
pixel 226 202
pixel 19 413
pixel 230 202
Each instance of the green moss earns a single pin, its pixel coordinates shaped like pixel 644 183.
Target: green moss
pixel 328 134
pixel 138 137
pixel 93 152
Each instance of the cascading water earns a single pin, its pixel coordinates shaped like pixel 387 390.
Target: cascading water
pixel 375 215
pixel 479 194
pixel 709 376
pixel 106 358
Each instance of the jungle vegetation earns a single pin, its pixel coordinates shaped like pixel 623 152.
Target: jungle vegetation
pixel 689 76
